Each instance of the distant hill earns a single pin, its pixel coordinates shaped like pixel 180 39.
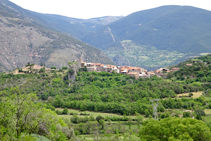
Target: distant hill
pixel 77 28
pixel 184 30
pixel 22 41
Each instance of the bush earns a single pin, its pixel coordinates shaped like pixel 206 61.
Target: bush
pixel 58 112
pixel 42 70
pixel 186 114
pixel 91 118
pixel 98 118
pixel 74 119
pixel 190 94
pixel 200 112
pixel 53 67
pixel 64 68
pixel 53 71
pixel 65 111
pixel 84 114
pixel 44 96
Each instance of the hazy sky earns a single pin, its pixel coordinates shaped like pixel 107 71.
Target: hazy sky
pixel 97 8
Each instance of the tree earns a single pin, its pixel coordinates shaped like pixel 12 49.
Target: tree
pixel 98 118
pixel 20 116
pixel 102 123
pixel 175 129
pixel 65 111
pixel 139 118
pixel 198 116
pixel 186 114
pixel 42 70
pixel 44 96
pixel 64 67
pixel 190 94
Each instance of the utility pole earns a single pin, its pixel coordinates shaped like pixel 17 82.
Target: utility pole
pixel 155 107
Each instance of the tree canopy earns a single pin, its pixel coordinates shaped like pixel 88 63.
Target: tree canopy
pixel 21 115
pixel 174 129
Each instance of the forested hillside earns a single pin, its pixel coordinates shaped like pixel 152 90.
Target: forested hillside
pixel 194 70
pixel 94 95
pixel 108 92
pixel 173 29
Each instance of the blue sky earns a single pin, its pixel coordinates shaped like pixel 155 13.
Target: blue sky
pixel 85 9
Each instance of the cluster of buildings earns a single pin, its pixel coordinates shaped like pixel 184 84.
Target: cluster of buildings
pixel 136 72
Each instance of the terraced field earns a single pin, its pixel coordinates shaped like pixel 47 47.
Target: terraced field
pixel 88 113
pixel 144 56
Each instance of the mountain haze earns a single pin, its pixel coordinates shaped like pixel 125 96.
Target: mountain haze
pixel 179 29
pixel 23 41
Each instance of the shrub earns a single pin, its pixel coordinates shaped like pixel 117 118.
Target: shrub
pixel 65 111
pixel 53 67
pixel 91 118
pixel 186 114
pixel 200 112
pixel 58 112
pixel 42 70
pixel 64 68
pixel 190 94
pixel 98 118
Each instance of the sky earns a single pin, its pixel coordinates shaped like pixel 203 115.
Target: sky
pixel 85 9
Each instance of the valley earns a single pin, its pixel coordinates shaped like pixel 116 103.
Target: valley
pixel 103 102
pixel 145 76
pixel 175 31
pixel 129 53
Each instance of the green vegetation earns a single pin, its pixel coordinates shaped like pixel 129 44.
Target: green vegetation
pixel 48 105
pixel 175 32
pixel 197 74
pixel 111 105
pixel 143 56
pixel 21 116
pixel 175 129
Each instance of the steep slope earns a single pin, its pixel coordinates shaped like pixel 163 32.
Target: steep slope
pixel 172 28
pixel 22 41
pixel 73 26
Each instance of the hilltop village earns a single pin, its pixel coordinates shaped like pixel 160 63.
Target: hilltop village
pixel 132 71
pixel 136 72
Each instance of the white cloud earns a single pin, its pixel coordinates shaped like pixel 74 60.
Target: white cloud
pixel 97 8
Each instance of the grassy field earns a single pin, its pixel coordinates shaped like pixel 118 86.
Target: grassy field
pixel 94 114
pixel 195 94
pixel 207 111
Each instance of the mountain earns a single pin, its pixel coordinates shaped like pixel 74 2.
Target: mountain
pixel 180 30
pixel 22 41
pixel 73 26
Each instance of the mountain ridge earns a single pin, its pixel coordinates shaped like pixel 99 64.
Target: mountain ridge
pixel 77 28
pixel 22 41
pixel 167 28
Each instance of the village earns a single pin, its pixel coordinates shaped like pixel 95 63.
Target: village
pixel 136 72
